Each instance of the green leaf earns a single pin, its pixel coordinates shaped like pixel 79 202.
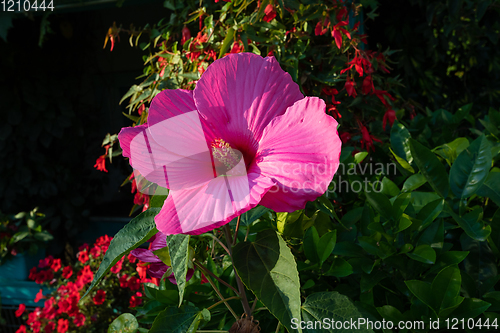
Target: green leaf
pixel 164 255
pixel 430 166
pixel 311 238
pixel 339 268
pixel 400 204
pixel 326 245
pixel 472 224
pixel 413 182
pixel 402 162
pixel 420 199
pixel 446 289
pixel 450 151
pixel 228 40
pixel 400 141
pixel 359 157
pixel 294 224
pixel 491 188
pixel 470 308
pixel 423 291
pixel 471 168
pixel 170 297
pixel 318 249
pixel 177 320
pixel 178 249
pixel 136 232
pixel 267 267
pixel 380 203
pixel 330 307
pixel 423 253
pixel 430 212
pixel 125 323
pixel 252 215
pixel 448 258
pixel 389 188
pixel 157 200
pixel 461 113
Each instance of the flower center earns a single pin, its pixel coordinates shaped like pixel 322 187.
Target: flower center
pixel 227 157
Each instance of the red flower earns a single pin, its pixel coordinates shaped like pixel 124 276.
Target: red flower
pixel 367 139
pixel 45 262
pixel 100 163
pixel 196 46
pixel 349 87
pixel 39 296
pixel 140 198
pixel 123 281
pixel 64 306
pixel 142 270
pixel 322 27
pixel 103 240
pixel 337 31
pixel 95 251
pixel 79 320
pixel 33 274
pixel 135 300
pixel 49 309
pixel 270 13
pixel 133 283
pixel 83 256
pixel 186 35
pixel 117 267
pixel 100 297
pixel 50 327
pixel 21 329
pixel 390 115
pixel 131 258
pixel 85 275
pixel 367 85
pixel 332 109
pixel 20 310
pixel 237 47
pixel 56 265
pixel 345 136
pixel 380 94
pixel 67 272
pixel 62 325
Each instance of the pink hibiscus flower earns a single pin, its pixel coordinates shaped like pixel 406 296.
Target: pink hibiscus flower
pixel 245 136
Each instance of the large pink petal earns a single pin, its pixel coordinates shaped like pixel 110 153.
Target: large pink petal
pixel 173 149
pixel 167 167
pixel 212 205
pixel 241 93
pixel 300 151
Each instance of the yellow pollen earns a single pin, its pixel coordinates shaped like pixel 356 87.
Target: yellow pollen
pixel 225 154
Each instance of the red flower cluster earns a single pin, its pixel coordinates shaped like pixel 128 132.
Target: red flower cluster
pixel 100 163
pixel 139 197
pixel 61 311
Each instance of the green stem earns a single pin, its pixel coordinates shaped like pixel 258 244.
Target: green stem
pixel 207 271
pixel 222 298
pixel 241 287
pixel 222 301
pixel 220 243
pixel 236 230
